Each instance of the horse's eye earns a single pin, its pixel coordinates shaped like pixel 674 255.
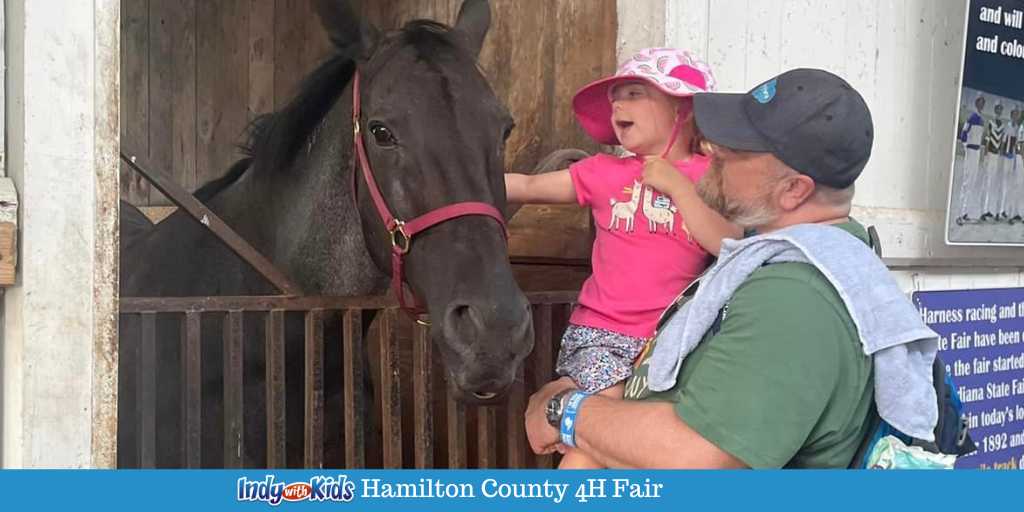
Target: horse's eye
pixel 382 135
pixel 508 131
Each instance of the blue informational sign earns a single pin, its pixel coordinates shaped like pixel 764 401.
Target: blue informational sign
pixel 982 345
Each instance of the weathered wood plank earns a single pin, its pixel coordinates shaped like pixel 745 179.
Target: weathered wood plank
pixel 486 437
pixel 222 41
pixel 233 388
pixel 8 251
pixel 134 95
pixel 541 368
pixel 192 397
pixel 162 77
pixel 289 34
pixel 276 404
pixel 315 44
pixel 182 18
pixel 515 427
pixel 314 431
pixel 586 32
pixel 391 390
pixel 147 392
pixel 355 404
pixel 423 398
pixel 455 415
pixel 261 57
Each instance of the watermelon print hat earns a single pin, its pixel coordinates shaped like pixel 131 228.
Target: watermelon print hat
pixel 674 72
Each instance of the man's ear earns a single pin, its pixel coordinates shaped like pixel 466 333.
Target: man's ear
pixel 796 190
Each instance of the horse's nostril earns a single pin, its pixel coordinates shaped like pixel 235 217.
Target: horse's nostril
pixel 465 319
pixel 460 311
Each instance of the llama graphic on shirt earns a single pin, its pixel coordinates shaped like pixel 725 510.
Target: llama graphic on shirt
pixel 626 211
pixel 661 214
pixel 659 211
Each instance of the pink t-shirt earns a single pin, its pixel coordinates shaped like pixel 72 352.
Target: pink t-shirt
pixel 643 255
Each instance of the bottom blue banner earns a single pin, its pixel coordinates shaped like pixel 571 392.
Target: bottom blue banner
pixel 451 491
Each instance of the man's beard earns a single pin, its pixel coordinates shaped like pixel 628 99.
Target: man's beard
pixel 756 213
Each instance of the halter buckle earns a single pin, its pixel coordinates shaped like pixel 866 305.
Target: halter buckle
pixel 399 245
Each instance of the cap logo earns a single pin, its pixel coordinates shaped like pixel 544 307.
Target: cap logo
pixel 765 92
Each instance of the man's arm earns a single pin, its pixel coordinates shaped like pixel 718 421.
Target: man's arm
pixel 656 439
pixel 626 434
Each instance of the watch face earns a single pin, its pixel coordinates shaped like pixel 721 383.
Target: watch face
pixel 554 409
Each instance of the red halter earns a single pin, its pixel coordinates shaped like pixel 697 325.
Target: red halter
pixel 402 232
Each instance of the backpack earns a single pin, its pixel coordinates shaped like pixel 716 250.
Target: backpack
pixel 951 434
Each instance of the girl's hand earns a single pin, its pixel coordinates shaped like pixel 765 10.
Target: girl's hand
pixel 663 176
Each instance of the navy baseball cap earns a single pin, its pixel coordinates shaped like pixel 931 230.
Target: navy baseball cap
pixel 810 119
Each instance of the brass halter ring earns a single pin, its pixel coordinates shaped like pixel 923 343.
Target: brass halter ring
pixel 399 246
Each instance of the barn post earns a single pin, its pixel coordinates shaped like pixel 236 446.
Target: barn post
pixel 58 365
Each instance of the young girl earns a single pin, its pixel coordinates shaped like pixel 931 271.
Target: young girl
pixel 654 234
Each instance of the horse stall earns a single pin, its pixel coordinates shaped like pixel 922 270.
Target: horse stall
pixel 285 375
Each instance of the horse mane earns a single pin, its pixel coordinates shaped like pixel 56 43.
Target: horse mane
pixel 213 187
pixel 275 139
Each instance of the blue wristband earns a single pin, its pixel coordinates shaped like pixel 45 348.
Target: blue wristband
pixel 567 427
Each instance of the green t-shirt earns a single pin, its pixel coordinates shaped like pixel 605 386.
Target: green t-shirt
pixel 784 382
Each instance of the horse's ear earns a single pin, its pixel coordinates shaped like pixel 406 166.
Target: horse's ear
pixel 473 22
pixel 347 29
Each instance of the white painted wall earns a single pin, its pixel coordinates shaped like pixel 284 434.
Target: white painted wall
pixel 904 58
pixel 59 345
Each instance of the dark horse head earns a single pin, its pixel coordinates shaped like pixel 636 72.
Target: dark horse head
pixel 434 133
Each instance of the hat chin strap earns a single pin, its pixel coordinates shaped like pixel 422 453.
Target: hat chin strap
pixel 678 125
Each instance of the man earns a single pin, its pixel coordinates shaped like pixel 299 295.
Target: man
pixel 1015 152
pixel 992 165
pixel 972 137
pixel 781 379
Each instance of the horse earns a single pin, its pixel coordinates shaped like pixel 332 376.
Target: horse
pixel 434 135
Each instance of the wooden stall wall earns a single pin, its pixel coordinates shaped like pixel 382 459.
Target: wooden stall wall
pixel 195 72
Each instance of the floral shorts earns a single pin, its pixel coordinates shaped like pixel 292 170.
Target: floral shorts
pixel 597 359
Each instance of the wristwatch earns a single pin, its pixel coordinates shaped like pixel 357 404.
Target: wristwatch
pixel 555 406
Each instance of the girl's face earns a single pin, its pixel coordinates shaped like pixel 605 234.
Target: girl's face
pixel 643 117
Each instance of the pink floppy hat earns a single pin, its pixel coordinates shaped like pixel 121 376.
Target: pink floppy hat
pixel 674 72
